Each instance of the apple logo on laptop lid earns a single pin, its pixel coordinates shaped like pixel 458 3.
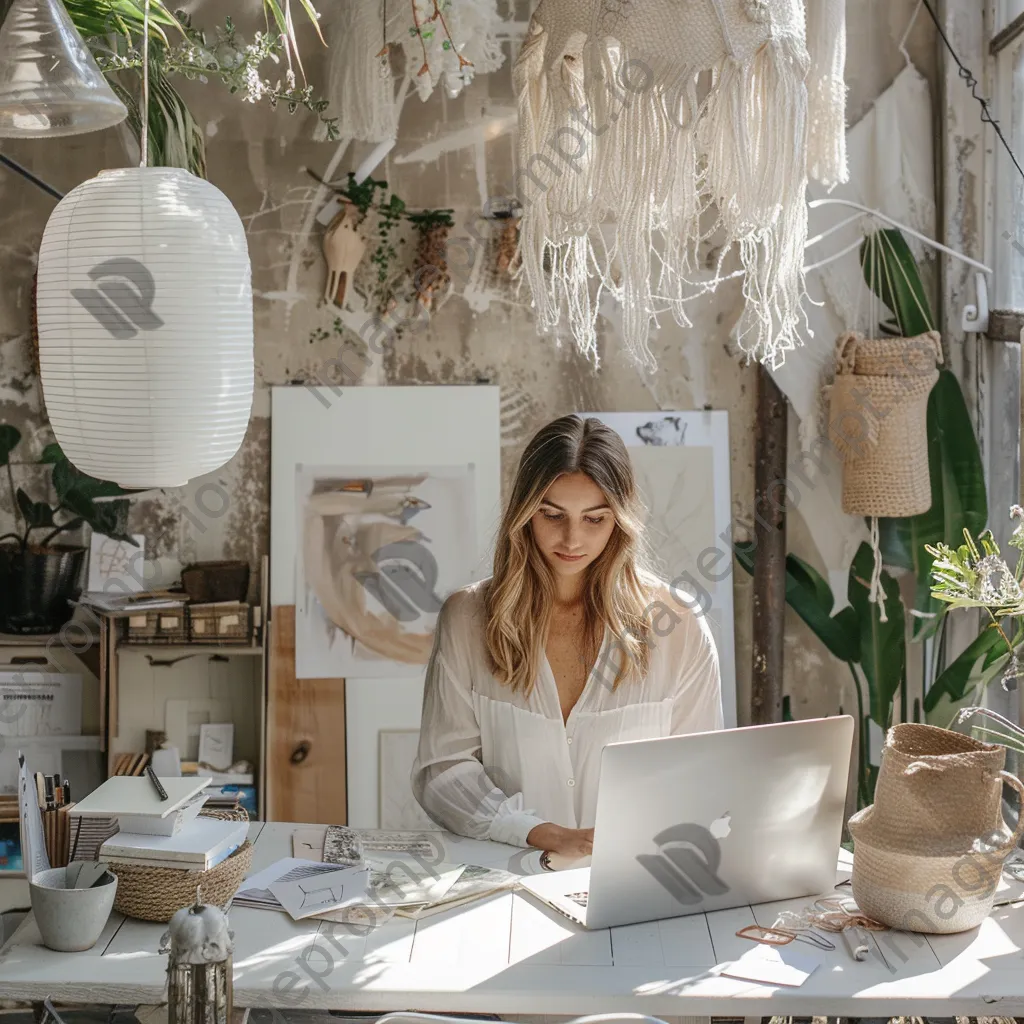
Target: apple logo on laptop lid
pixel 721 827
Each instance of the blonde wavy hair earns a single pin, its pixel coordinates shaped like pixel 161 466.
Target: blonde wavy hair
pixel 521 593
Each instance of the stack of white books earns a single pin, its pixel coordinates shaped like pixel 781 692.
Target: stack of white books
pixel 199 846
pixel 164 831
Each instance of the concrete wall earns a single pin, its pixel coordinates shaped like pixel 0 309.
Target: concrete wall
pixel 257 157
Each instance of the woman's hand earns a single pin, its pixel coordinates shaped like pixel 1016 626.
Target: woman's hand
pixel 571 843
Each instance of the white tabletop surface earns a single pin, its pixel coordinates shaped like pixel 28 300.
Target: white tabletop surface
pixel 508 954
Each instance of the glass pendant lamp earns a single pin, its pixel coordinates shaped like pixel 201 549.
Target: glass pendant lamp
pixel 50 84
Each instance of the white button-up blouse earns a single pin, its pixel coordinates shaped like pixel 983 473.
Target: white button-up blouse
pixel 492 763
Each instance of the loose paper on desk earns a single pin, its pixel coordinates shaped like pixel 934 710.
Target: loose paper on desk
pixel 772 965
pixel 33 846
pixel 255 890
pixel 321 893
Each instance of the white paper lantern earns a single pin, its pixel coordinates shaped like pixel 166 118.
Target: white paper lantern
pixel 144 307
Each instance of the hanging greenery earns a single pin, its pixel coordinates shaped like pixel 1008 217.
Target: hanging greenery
pixel 113 30
pixel 373 195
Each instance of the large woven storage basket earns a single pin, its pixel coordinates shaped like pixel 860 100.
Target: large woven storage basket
pixel 878 422
pixel 928 853
pixel 156 894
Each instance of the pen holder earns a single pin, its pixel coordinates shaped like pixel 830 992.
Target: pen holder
pixel 71 919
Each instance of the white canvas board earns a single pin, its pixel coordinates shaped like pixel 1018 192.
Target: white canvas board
pixel 380 549
pixel 398 807
pixel 419 426
pixel 40 704
pixel 216 745
pixel 681 462
pixel 48 755
pixel 115 566
pixel 128 794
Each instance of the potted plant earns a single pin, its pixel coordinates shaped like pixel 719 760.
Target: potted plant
pixel 39 578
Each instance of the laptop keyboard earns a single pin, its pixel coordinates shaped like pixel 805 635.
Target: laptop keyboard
pixel 577 897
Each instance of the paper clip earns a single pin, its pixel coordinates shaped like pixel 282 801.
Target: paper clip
pixel 778 936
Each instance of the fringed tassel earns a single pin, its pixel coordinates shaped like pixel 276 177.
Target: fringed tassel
pixel 607 137
pixel 754 134
pixel 876 592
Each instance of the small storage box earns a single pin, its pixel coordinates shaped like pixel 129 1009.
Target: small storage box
pixel 222 622
pixel 158 626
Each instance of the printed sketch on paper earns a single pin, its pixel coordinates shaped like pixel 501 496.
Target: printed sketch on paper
pixel 380 551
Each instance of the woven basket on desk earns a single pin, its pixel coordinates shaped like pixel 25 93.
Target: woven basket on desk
pixel 156 894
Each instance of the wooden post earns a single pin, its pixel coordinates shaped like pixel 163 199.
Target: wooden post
pixel 770 551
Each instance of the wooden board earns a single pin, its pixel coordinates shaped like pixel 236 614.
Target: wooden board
pixel 305 736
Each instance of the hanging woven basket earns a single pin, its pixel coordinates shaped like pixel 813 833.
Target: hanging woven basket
pixel 878 421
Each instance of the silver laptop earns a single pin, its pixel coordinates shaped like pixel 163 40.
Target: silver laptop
pixel 709 821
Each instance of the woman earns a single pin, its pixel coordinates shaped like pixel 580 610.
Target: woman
pixel 568 646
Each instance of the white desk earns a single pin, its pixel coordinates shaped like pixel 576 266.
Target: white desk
pixel 509 955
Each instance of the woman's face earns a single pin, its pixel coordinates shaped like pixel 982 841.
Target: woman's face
pixel 573 524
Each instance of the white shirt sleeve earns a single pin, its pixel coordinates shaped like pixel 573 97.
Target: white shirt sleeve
pixel 448 778
pixel 697 705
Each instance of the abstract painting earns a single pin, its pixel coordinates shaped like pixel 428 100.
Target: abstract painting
pixel 379 550
pixel 681 463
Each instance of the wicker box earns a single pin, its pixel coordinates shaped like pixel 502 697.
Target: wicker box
pixel 222 622
pixel 158 626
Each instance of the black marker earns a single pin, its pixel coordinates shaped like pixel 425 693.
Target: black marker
pixel 161 792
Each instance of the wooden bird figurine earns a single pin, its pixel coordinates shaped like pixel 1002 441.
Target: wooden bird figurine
pixel 343 249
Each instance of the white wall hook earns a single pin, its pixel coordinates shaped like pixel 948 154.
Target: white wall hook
pixel 975 315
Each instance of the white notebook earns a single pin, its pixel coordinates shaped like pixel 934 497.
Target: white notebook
pixel 198 844
pixel 130 794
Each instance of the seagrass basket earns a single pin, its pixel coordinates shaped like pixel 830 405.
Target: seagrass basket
pixel 156 894
pixel 878 421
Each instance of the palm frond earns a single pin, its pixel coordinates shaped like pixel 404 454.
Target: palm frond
pixel 175 139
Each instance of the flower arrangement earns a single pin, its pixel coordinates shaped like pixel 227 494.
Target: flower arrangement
pixel 975 575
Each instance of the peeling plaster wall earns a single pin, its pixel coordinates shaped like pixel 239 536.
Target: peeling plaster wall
pixel 256 156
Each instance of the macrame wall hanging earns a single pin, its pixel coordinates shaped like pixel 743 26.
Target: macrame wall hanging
pixel 670 123
pixel 439 42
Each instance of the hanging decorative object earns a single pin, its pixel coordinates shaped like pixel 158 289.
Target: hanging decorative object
pixel 878 422
pixel 613 127
pixel 50 84
pixel 444 43
pixel 343 247
pixel 432 283
pixel 144 304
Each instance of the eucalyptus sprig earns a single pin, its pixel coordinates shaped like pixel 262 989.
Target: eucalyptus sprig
pixel 229 57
